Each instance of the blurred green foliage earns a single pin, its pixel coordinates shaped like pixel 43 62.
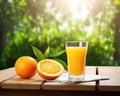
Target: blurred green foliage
pixel 43 23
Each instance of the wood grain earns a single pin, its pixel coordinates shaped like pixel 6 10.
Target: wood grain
pixel 6 74
pixel 19 83
pixel 114 74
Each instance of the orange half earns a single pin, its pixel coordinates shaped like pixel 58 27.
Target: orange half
pixel 49 69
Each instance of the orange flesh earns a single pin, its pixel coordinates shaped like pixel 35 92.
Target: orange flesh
pixel 50 67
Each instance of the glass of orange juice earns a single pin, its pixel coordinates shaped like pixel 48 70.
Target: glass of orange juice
pixel 76 57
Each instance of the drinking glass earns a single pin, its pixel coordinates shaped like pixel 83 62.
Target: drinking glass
pixel 76 58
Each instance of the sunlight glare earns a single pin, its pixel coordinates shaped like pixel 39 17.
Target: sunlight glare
pixel 89 30
pixel 79 9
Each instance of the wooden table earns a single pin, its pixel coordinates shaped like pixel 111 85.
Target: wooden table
pixel 12 85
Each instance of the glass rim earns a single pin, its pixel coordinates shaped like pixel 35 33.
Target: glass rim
pixel 76 43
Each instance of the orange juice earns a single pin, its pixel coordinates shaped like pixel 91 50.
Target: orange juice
pixel 76 57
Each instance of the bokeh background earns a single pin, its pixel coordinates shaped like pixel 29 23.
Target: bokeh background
pixel 44 23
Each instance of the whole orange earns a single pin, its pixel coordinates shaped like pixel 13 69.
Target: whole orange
pixel 25 67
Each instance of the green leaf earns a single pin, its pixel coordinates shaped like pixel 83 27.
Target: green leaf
pixel 38 53
pixel 46 53
pixel 55 52
pixel 62 63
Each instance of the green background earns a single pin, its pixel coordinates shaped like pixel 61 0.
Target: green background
pixel 44 23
